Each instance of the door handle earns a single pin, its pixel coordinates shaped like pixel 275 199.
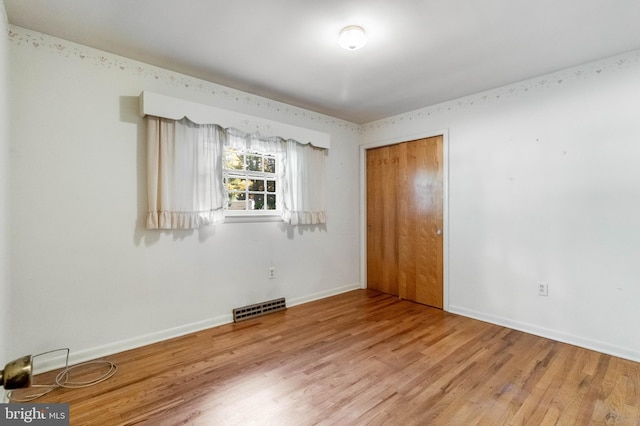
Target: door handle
pixel 439 231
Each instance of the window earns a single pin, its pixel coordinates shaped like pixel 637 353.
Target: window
pixel 268 177
pixel 251 182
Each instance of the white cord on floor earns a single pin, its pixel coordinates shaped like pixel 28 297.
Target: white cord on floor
pixel 62 379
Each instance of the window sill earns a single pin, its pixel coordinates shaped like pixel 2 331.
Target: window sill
pixel 252 218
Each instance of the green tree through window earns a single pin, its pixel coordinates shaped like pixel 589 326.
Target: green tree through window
pixel 250 181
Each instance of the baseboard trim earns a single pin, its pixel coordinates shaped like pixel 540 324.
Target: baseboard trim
pixel 52 363
pixel 560 336
pixel 76 357
pixel 323 294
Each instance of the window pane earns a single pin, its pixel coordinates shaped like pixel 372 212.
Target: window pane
pixel 256 185
pixel 236 184
pixel 233 160
pixel 271 202
pixel 246 182
pixel 237 201
pixel 254 163
pixel 270 164
pixel 256 201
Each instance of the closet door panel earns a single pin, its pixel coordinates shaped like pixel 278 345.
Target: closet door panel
pixel 420 238
pixel 382 244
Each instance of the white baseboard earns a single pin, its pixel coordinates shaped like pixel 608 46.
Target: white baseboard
pixel 323 294
pixel 558 335
pixel 55 362
pixel 76 357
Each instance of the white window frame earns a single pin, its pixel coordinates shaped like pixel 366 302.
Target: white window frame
pixel 249 174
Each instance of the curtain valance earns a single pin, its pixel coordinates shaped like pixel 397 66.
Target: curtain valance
pixel 163 106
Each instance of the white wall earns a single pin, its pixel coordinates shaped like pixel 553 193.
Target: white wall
pixel 85 273
pixel 4 177
pixel 545 186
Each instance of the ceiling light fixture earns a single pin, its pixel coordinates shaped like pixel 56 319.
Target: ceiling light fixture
pixel 352 37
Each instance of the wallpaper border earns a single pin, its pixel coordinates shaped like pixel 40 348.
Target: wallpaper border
pixel 545 82
pixel 23 37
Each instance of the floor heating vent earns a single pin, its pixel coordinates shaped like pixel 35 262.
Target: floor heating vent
pixel 258 309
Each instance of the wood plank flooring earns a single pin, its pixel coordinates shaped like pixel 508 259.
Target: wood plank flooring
pixel 360 358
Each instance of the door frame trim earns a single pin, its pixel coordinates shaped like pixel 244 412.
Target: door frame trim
pixel 445 204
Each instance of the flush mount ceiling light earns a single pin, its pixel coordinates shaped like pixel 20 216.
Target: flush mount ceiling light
pixel 352 37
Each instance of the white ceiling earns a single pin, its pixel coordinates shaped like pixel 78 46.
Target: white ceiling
pixel 419 52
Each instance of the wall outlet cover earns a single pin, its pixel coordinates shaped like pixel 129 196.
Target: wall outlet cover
pixel 543 289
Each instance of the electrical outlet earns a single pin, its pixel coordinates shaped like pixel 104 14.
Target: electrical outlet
pixel 543 289
pixel 272 272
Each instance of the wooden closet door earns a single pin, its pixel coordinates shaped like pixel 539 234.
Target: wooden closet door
pixel 405 220
pixel 420 222
pixel 382 242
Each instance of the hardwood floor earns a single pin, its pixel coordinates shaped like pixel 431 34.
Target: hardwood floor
pixel 361 358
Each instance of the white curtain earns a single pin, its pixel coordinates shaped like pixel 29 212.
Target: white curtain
pixel 304 185
pixel 184 179
pixel 184 174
